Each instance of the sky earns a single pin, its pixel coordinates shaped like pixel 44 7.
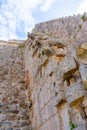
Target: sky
pixel 17 17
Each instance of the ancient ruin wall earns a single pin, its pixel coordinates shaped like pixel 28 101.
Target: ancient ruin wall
pixel 67 28
pixel 56 74
pixel 14 112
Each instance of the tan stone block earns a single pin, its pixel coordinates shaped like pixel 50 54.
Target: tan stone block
pixel 80 51
pixel 84 46
pixel 84 103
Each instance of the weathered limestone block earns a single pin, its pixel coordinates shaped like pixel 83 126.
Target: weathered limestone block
pixel 84 103
pixel 46 97
pixel 41 100
pixel 13 94
pixel 55 123
pixel 82 34
pixel 83 70
pixel 63 114
pixel 60 97
pixel 36 107
pixel 84 46
pixel 67 66
pixel 81 127
pixel 75 92
pixel 82 52
pixel 47 126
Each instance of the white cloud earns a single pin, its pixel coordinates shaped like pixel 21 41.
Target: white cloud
pixel 82 7
pixel 3 33
pixel 17 16
pixel 2 20
pixel 47 5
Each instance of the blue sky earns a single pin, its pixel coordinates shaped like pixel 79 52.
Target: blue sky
pixel 19 17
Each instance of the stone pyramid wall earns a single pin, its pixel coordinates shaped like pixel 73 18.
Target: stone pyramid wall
pixel 14 113
pixel 56 74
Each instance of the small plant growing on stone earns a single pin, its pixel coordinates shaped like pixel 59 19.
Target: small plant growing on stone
pixel 80 26
pixel 83 17
pixel 21 46
pixel 72 125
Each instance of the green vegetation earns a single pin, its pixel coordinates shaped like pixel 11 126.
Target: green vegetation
pixel 72 126
pixel 80 26
pixel 22 46
pixel 83 17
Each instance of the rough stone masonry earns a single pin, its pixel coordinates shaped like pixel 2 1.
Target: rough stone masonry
pixel 14 113
pixel 43 80
pixel 56 74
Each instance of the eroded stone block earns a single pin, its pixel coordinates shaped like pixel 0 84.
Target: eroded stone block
pixel 75 92
pixel 63 115
pixel 55 124
pixel 83 70
pixel 67 66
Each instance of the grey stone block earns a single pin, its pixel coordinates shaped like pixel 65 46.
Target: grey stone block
pixel 67 66
pixel 83 70
pixel 75 92
pixel 82 127
pixel 6 125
